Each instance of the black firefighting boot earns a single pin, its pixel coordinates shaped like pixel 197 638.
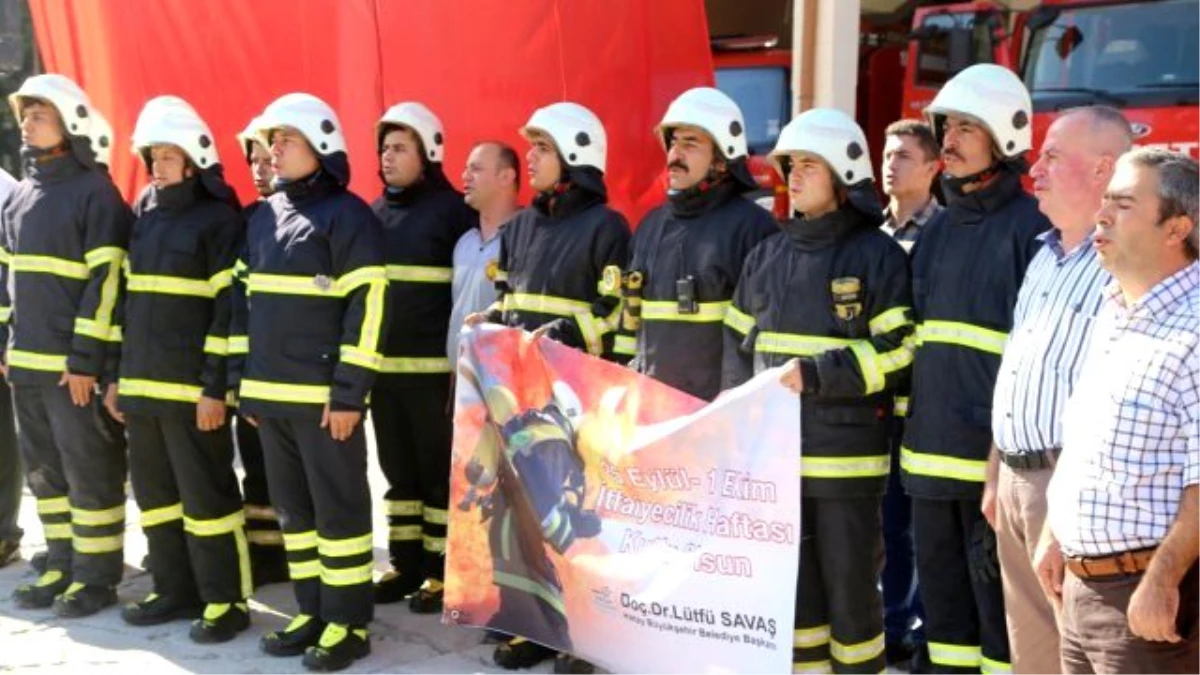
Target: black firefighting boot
pixel 339 647
pixel 80 600
pixel 428 598
pixel 520 653
pixel 395 586
pixel 566 664
pixel 41 593
pixel 158 609
pixel 221 622
pixel 303 632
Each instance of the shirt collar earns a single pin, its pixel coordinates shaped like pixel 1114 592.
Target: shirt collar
pixel 1052 239
pixel 917 219
pixel 1165 294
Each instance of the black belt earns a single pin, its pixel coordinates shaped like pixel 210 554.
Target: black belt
pixel 1032 459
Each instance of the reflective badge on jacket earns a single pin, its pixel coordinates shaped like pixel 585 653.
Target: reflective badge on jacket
pixel 492 269
pixel 847 297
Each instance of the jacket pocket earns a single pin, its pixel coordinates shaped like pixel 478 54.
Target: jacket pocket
pixel 309 350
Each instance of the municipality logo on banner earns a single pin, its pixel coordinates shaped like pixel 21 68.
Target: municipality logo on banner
pixel 600 513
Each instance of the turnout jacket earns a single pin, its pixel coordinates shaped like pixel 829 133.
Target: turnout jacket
pixel 833 291
pixel 63 239
pixel 421 225
pixel 310 301
pixel 967 268
pixel 176 307
pixel 553 259
pixel 699 240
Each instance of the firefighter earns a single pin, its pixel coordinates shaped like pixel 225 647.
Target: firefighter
pixel 560 267
pixel 268 559
pixel 830 298
pixel 65 232
pixel 423 216
pixel 172 387
pixel 687 254
pixel 314 271
pixel 966 267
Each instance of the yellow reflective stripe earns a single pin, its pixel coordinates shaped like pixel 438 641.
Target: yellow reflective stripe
pixel 300 541
pixel 168 391
pixel 53 505
pixel 57 531
pixel 217 346
pixel 372 326
pixel 403 508
pixel 545 304
pixel 167 285
pixel 814 667
pixel 284 393
pixel 404 533
pixel 348 576
pixel 95 329
pixel 960 656
pixel 988 667
pixel 358 357
pixel 334 548
pixel 707 312
pixel 803 638
pixel 436 516
pixel 44 264
pixel 856 653
pixel 162 515
pixel 98 544
pixel 420 274
pixel 963 335
pixel 104 255
pixel 257 512
pixel 19 358
pixel 897 359
pixel 433 544
pixel 212 527
pixel 360 276
pixel 239 267
pixel 265 537
pixel 220 281
pixel 738 320
pixel 797 345
pixel 868 365
pixel 283 284
pixel 304 570
pixel 845 467
pixel 98 517
pixel 109 289
pixel 519 583
pixel 943 467
pixel 592 330
pixel 239 344
pixel 245 575
pixel 5 314
pixel 501 275
pixel 889 320
pixel 391 364
pixel 5 257
pixel 900 407
pixel 625 344
pixel 114 334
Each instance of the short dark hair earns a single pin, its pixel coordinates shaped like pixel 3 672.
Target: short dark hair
pixel 507 158
pixel 918 130
pixel 1178 176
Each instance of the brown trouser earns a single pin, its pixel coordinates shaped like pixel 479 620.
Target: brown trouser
pixel 1032 624
pixel 1095 630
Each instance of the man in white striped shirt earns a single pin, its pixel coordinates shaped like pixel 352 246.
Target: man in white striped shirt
pixel 1052 323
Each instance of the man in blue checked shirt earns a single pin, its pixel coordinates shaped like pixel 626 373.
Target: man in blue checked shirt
pixel 1051 325
pixel 1124 507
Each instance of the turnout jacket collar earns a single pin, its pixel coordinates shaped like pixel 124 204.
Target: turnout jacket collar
pixel 973 207
pixel 703 197
pixel 566 200
pixel 52 165
pixel 319 184
pixel 820 233
pixel 178 197
pixel 432 181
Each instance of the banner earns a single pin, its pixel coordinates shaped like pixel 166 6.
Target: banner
pixel 600 513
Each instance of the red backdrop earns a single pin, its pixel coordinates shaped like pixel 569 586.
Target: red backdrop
pixel 481 65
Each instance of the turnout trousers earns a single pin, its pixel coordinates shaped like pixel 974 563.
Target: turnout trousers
pixel 319 489
pixel 186 488
pixel 413 435
pixel 75 466
pixel 839 611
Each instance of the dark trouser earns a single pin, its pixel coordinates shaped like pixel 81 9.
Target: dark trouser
pixel 413 432
pixel 186 488
pixel 12 481
pixel 262 525
pixel 75 464
pixel 964 608
pixel 319 489
pixel 839 614
pixel 1095 629
pixel 901 598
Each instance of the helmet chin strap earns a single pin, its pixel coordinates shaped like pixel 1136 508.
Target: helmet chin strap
pixel 957 183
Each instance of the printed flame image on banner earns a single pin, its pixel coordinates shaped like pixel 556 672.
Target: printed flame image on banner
pixel 600 513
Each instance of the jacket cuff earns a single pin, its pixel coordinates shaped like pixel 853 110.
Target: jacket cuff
pixel 811 376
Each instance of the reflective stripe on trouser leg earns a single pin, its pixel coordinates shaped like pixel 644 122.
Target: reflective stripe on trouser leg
pixel 293 503
pixel 810 637
pixel 157 496
pixel 44 472
pixel 262 523
pixel 849 551
pixel 394 445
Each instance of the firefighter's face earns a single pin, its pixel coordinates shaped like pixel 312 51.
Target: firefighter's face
pixel 292 158
pixel 1132 241
pixel 811 186
pixel 1071 172
pixel 168 165
pixel 542 162
pixel 400 157
pixel 41 126
pixel 485 178
pixel 907 169
pixel 260 169
pixel 690 156
pixel 966 146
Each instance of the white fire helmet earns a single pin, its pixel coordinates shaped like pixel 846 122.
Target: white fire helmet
pixel 712 111
pixel 833 136
pixel 169 120
pixel 576 131
pixel 63 93
pixel 421 121
pixel 309 115
pixel 993 96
